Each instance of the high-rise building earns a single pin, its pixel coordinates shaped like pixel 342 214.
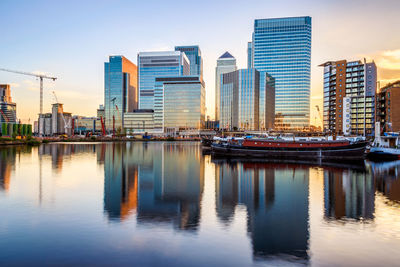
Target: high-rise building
pixel 225 63
pixel 282 48
pixel 388 107
pixel 239 100
pixel 249 55
pixel 194 55
pixel 158 64
pixel 349 97
pixel 120 89
pixel 184 104
pixel 8 109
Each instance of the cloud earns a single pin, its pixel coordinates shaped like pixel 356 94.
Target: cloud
pixel 14 85
pixel 31 85
pixel 388 63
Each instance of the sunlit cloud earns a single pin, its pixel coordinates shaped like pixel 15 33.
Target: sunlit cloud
pixel 31 85
pixel 388 64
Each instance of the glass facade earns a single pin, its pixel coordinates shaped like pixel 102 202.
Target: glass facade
pixel 239 100
pixel 158 64
pixel 282 48
pixel 193 53
pixel 120 90
pixel 225 63
pixel 184 103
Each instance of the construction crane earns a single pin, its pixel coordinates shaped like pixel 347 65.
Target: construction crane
pixel 66 125
pixel 41 77
pixel 319 114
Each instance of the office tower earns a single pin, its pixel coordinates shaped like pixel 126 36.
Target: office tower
pixel 239 101
pixel 193 53
pixel 120 90
pixel 7 107
pixel 388 107
pixel 282 48
pixel 348 108
pixel 225 63
pixel 158 64
pixel 184 104
pixel 249 55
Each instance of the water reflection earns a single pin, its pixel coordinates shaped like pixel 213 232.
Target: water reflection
pixel 276 200
pixel 7 164
pixel 150 180
pixel 348 194
pixel 155 193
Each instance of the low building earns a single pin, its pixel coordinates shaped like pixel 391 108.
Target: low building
pixel 388 107
pixel 8 109
pixel 101 112
pixel 84 125
pixel 139 121
pixel 57 122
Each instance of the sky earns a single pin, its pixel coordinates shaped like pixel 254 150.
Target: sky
pixel 71 40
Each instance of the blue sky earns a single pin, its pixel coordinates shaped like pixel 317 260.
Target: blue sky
pixel 72 39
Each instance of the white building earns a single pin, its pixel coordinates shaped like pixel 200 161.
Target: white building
pixel 225 63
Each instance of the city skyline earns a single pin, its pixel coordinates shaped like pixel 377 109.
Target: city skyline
pixel 73 46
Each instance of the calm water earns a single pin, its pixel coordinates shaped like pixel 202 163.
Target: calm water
pixel 165 204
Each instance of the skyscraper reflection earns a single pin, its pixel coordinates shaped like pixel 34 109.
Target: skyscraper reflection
pixel 161 182
pixel 276 199
pixel 348 194
pixel 120 182
pixel 7 163
pixel 170 189
pixel 387 178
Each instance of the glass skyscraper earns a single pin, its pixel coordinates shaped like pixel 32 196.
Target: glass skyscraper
pixel 184 103
pixel 120 90
pixel 158 64
pixel 282 48
pixel 194 55
pixel 239 100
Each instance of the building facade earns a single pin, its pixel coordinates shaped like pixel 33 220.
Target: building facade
pixel 225 63
pixel 8 109
pixel 388 107
pixel 139 121
pixel 239 100
pixel 158 64
pixel 193 53
pixel 282 48
pixel 184 103
pixel 120 90
pixel 349 97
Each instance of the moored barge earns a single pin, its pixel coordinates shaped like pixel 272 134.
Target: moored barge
pixel 291 149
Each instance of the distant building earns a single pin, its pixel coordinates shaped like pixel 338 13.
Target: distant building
pixel 225 63
pixel 8 109
pixel 139 121
pixel 193 53
pixel 388 107
pixel 82 124
pixel 120 89
pixel 152 65
pixel 184 103
pixel 282 48
pixel 54 123
pixel 101 112
pixel 349 97
pixel 239 100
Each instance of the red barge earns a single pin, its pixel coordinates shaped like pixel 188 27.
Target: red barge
pixel 291 149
